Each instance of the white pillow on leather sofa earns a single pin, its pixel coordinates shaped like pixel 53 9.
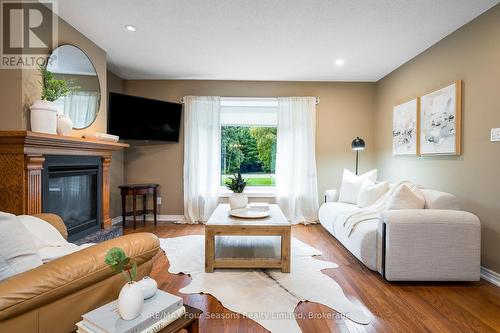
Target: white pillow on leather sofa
pixel 48 240
pixel 18 252
pixel 43 233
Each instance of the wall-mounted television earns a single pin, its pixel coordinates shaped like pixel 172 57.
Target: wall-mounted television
pixel 138 118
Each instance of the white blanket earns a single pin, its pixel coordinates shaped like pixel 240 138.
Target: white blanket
pixel 352 219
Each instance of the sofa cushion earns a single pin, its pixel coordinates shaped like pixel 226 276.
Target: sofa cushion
pixel 351 184
pixel 18 253
pixel 362 242
pixel 440 200
pixel 328 213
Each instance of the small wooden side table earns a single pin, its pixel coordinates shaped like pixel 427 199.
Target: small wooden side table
pixel 189 322
pixel 134 190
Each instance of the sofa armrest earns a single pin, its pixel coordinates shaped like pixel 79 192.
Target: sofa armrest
pixel 56 221
pixel 69 274
pixel 430 245
pixel 332 195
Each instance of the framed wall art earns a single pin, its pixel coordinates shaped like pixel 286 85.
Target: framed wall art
pixel 405 128
pixel 440 121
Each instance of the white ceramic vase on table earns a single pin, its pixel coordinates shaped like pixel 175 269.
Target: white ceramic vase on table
pixel 43 117
pixel 148 287
pixel 130 301
pixel 64 125
pixel 238 200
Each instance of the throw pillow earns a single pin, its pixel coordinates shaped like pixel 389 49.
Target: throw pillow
pixel 405 197
pixel 43 233
pixel 351 184
pixel 370 192
pixel 17 249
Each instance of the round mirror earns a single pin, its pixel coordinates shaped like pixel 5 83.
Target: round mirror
pixel 81 104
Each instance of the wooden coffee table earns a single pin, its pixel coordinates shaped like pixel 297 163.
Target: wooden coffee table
pixel 222 224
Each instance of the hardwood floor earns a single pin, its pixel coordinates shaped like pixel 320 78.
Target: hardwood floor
pixel 396 307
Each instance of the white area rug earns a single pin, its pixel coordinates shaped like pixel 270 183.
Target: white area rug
pixel 267 296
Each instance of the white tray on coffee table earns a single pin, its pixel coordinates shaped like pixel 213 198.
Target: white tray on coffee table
pixel 249 213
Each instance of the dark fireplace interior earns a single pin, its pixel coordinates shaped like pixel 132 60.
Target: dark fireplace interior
pixel 72 189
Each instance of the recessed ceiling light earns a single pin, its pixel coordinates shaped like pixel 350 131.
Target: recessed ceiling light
pixel 339 62
pixel 130 27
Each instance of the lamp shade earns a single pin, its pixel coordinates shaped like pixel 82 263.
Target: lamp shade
pixel 358 144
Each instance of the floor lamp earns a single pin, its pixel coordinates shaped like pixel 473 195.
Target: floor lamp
pixel 357 145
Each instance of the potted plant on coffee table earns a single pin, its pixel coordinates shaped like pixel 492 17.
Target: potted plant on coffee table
pixel 131 298
pixel 237 184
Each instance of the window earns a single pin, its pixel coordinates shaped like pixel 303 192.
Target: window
pixel 248 141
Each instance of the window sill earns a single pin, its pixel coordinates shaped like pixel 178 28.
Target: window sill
pixel 252 192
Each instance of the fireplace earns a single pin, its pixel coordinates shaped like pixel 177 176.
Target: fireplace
pixel 72 189
pixel 22 163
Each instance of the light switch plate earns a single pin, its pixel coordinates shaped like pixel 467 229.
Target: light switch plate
pixel 495 134
pixel 158 200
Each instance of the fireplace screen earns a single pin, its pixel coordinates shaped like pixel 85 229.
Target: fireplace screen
pixel 72 191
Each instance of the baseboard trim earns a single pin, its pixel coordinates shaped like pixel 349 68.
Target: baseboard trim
pixel 164 218
pixel 490 276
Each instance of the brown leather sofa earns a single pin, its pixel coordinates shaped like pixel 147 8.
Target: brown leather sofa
pixel 52 298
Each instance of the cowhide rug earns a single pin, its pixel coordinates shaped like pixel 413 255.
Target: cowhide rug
pixel 267 296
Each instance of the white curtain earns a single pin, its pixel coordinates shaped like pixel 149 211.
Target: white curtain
pixel 201 156
pixel 81 107
pixel 296 183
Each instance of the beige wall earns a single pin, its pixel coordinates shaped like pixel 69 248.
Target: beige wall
pixel 345 111
pixel 18 90
pixel 471 54
pixel 11 98
pixel 31 87
pixel 117 173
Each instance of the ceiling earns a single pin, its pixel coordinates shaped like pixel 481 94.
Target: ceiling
pixel 282 40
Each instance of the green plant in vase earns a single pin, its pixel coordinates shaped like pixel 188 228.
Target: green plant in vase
pixel 120 263
pixel 43 116
pixel 131 298
pixel 53 89
pixel 237 184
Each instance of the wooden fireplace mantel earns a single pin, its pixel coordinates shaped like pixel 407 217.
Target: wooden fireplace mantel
pixel 21 164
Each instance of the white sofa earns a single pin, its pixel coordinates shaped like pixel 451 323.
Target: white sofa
pixel 438 243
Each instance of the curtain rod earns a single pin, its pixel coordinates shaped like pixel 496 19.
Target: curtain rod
pixel 316 99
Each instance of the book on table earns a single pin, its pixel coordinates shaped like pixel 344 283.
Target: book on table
pixel 154 328
pixel 106 319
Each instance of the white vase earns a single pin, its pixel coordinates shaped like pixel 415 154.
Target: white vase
pixel 148 287
pixel 64 125
pixel 43 117
pixel 238 200
pixel 130 301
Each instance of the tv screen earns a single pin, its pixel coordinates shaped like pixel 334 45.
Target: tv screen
pixel 138 118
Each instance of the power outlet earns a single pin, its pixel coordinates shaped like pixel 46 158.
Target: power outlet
pixel 158 200
pixel 495 134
